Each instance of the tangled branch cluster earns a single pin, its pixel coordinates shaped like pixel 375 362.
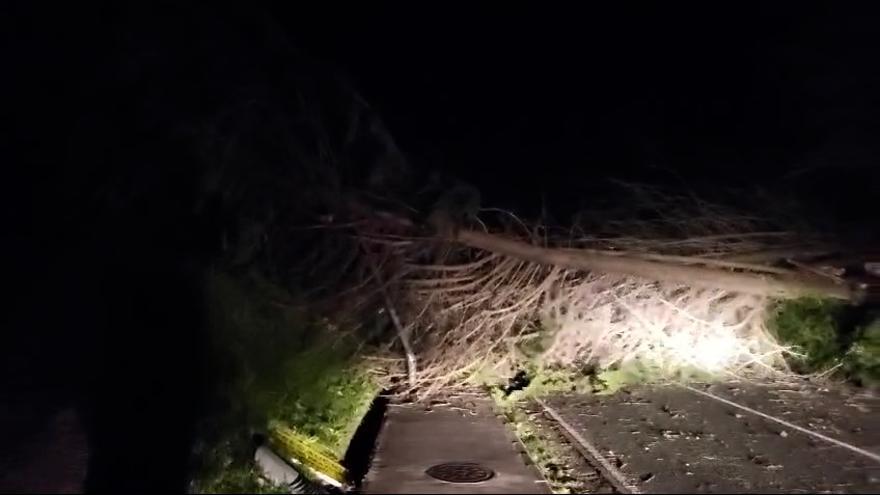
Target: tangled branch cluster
pixel 462 310
pixel 484 313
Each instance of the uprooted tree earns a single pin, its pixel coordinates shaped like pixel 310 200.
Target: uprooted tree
pixel 687 287
pixel 680 282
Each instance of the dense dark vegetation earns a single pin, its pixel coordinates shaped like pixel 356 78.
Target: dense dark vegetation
pixel 150 159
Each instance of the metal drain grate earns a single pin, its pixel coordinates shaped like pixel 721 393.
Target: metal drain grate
pixel 460 472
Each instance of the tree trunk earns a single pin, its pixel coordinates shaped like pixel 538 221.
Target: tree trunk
pixel 750 283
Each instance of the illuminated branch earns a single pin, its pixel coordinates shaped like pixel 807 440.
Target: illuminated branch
pixel 748 283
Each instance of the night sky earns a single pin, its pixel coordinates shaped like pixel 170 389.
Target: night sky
pixel 783 94
pixel 552 100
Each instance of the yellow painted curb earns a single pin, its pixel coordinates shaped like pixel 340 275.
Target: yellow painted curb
pixel 309 453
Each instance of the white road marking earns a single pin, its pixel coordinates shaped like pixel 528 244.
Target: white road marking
pixel 858 450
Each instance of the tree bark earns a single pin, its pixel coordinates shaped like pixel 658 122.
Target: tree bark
pixel 750 283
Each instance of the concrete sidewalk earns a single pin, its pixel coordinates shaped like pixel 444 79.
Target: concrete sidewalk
pixel 414 439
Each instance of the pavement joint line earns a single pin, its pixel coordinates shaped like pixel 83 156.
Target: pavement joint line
pixel 870 455
pixel 618 479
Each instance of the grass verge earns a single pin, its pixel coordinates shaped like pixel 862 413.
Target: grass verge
pixel 545 450
pixel 557 461
pixel 273 363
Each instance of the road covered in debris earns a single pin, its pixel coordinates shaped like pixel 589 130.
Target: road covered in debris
pixel 794 438
pixel 797 437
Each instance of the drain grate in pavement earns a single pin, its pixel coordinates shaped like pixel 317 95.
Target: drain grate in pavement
pixel 460 472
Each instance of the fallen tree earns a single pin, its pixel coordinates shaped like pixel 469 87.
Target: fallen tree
pixel 481 294
pixel 785 285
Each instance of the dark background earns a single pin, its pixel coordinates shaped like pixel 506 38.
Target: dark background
pixel 523 101
pixel 103 254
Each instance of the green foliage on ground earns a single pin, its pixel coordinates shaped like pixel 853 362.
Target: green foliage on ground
pixel 542 448
pixel 547 380
pixel 813 328
pixel 542 381
pixel 636 372
pixel 810 326
pixel 862 361
pixel 273 362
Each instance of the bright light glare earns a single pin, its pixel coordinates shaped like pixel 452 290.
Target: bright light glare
pixel 710 351
pixel 704 329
